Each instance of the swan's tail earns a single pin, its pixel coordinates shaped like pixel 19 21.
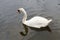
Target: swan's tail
pixel 49 20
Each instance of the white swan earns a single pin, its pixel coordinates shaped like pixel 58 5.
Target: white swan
pixel 36 22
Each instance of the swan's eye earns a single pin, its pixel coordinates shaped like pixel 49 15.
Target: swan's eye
pixel 19 11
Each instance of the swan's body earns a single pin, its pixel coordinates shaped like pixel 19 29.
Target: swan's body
pixel 36 22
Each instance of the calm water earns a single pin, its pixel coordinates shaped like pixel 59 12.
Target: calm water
pixel 10 21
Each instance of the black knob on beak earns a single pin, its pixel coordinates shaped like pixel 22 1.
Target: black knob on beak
pixel 18 11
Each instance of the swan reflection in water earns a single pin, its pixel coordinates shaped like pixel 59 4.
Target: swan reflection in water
pixel 36 23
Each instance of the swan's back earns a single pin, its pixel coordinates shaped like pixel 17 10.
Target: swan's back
pixel 38 19
pixel 37 22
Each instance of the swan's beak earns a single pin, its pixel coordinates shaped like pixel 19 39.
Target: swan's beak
pixel 18 11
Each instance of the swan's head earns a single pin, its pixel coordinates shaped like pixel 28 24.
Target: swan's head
pixel 20 10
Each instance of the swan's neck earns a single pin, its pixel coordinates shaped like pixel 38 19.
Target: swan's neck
pixel 24 17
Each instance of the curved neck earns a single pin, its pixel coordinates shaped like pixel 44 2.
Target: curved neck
pixel 25 16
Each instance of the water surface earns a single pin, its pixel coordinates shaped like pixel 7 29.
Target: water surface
pixel 10 21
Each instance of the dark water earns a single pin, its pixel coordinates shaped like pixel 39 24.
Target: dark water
pixel 10 21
